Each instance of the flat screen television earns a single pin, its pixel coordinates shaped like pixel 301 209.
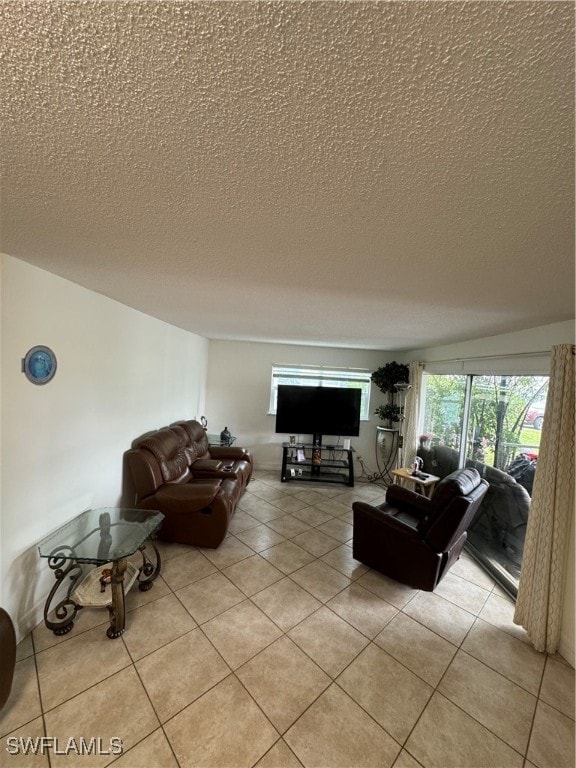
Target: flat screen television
pixel 318 411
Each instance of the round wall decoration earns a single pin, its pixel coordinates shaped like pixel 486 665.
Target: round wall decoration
pixel 39 365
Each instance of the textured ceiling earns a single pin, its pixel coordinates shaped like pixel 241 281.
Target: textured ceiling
pixel 385 175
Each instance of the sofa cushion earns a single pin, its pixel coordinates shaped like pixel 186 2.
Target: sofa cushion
pixel 166 447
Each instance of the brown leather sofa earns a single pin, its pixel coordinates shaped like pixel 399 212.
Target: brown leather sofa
pixel 195 486
pixel 7 656
pixel 414 539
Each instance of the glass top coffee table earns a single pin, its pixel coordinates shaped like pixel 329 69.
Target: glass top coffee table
pixel 105 538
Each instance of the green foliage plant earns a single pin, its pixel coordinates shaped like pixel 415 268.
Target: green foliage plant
pixel 387 376
pixel 388 412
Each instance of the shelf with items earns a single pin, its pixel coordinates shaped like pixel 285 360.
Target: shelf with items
pixel 316 463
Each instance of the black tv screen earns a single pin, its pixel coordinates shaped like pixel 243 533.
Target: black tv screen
pixel 318 410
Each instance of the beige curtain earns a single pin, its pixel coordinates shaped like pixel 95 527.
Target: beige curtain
pixel 412 413
pixel 543 575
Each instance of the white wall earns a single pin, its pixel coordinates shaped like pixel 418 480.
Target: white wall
pixel 515 353
pixel 238 393
pixel 120 373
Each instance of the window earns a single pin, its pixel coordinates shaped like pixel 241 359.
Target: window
pixel 310 376
pixel 492 423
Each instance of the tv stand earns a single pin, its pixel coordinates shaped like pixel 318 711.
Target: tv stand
pixel 312 462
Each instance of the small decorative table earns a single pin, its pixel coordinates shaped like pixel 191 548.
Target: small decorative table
pixel 403 476
pixel 105 538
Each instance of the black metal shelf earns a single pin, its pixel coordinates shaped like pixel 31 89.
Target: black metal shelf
pixel 324 470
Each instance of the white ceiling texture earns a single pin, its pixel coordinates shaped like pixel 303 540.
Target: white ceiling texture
pixel 380 175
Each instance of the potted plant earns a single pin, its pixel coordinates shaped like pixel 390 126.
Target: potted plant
pixel 386 377
pixel 388 412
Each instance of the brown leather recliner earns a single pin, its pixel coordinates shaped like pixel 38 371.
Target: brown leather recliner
pixel 413 539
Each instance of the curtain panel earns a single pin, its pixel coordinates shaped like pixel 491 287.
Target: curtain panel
pixel 412 413
pixel 540 592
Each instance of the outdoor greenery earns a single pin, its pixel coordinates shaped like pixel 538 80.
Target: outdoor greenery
pixel 499 405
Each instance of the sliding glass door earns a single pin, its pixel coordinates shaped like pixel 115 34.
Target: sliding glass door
pixel 493 423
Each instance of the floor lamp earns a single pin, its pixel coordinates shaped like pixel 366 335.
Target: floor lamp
pixel 402 388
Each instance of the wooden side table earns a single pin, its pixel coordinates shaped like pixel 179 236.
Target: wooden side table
pixel 405 476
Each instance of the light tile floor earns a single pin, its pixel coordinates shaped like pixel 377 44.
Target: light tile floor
pixel 278 649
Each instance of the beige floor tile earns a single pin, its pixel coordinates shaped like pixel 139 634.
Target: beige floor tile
pixel 86 619
pixel 558 686
pixel 316 542
pixel 170 549
pixel 288 526
pixel 336 732
pixel 283 681
pixel 333 507
pixel 268 493
pixel 290 504
pixel 253 574
pixel 463 593
pixel 287 556
pixel 208 597
pixel 180 672
pixel 337 528
pixel 365 492
pixel 279 756
pixel 229 552
pixel 499 611
pixel 152 752
pixel 502 706
pixel 286 603
pixel 186 568
pixel 70 668
pixel 155 624
pixel 135 597
pixel 445 736
pixel 503 652
pixel 441 616
pixel 405 760
pixel 341 558
pixel 388 691
pixel 418 648
pixel 261 510
pixel 23 704
pixel 25 648
pixel 260 537
pixel 552 739
pixel 105 711
pixel 22 748
pixel 241 632
pixel 242 521
pixel 467 568
pixel 311 496
pixel 312 515
pixel 392 591
pixel 223 728
pixel 363 609
pixel 329 640
pixel 320 580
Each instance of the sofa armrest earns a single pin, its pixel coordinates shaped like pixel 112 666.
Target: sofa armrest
pixel 381 517
pixel 229 452
pixel 398 496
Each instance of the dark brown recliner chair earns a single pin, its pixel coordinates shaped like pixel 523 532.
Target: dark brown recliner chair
pixel 413 539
